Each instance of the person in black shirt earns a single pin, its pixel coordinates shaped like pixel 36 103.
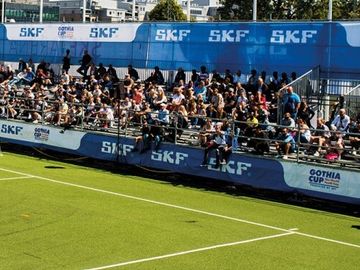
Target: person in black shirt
pixel 85 63
pixel 66 61
pixel 133 73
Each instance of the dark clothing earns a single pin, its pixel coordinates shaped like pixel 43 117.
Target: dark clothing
pixel 133 74
pixel 66 63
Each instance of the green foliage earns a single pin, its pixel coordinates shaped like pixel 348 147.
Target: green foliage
pixel 289 9
pixel 167 10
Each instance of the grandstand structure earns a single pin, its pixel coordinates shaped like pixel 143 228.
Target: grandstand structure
pixel 318 54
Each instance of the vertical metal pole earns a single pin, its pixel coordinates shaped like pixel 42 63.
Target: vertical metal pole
pixel 330 10
pixel 133 11
pixel 3 11
pixel 254 10
pixel 41 11
pixel 188 17
pixel 84 11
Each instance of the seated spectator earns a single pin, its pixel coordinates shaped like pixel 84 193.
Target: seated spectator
pixel 61 113
pixel 305 113
pixel 160 98
pixel 355 140
pixel 156 76
pixel 320 136
pixel 334 145
pixel 100 71
pixel 204 74
pixel 218 143
pixel 177 98
pixel 111 71
pixel 156 134
pixel 229 101
pixel 303 133
pixel 163 115
pixel 106 116
pixel 26 77
pixel 287 121
pixel 259 141
pixel 201 90
pixel 180 76
pixel 133 73
pixel 341 121
pixel 144 138
pixel 285 143
pixel 239 78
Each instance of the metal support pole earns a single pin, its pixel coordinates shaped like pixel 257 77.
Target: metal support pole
pixel 41 11
pixel 330 10
pixel 254 10
pixel 84 11
pixel 3 11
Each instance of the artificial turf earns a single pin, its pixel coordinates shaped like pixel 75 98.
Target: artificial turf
pixel 102 218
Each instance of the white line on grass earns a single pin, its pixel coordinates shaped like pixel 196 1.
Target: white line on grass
pixel 191 251
pixel 14 178
pixel 184 208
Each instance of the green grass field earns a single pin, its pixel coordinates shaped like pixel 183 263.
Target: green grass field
pixel 60 216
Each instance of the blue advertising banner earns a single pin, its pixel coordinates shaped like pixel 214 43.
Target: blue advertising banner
pixel 284 47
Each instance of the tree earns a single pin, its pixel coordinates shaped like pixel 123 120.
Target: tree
pixel 167 10
pixel 289 9
pixel 243 10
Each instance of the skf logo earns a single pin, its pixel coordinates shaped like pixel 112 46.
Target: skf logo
pixel 31 31
pixel 103 32
pixel 9 129
pixel 296 36
pixel 228 35
pixel 171 35
pixel 170 157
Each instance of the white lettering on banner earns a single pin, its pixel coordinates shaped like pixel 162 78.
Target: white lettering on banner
pixel 73 32
pixel 170 157
pixel 227 35
pixel 288 36
pixel 114 148
pixel 171 35
pixel 231 167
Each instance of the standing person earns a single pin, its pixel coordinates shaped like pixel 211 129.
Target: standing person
pixel 85 63
pixel 291 102
pixel 66 61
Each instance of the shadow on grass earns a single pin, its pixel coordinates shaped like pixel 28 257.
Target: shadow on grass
pixel 54 167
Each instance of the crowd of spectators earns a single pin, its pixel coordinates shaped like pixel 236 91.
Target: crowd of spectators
pixel 227 110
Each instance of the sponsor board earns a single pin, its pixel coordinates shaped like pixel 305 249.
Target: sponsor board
pixel 37 134
pixel 73 32
pixel 322 179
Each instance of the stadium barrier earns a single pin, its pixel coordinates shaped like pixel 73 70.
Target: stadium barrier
pixel 319 179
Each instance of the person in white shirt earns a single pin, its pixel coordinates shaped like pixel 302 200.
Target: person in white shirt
pixel 341 121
